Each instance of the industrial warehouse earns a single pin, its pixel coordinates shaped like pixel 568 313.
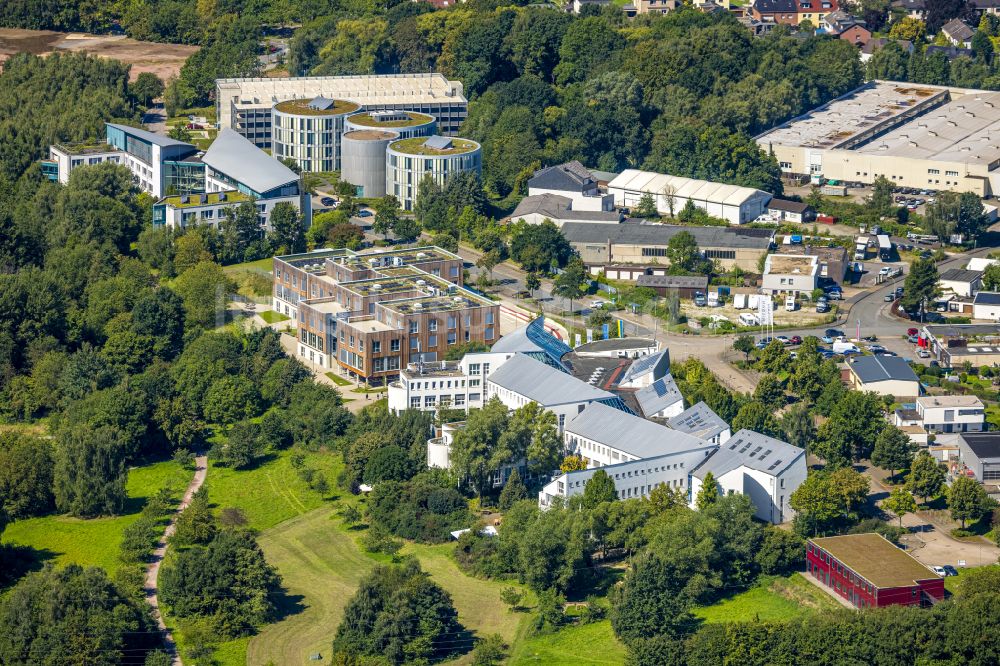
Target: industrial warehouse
pixel 922 136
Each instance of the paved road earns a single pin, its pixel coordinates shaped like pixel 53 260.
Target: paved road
pixel 153 568
pixel 155 119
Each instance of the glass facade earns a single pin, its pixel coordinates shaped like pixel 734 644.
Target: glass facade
pixel 183 178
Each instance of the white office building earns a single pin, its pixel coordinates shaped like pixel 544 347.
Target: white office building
pixel 700 421
pixel 409 161
pixel 765 469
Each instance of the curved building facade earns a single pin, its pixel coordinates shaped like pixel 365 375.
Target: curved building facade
pixel 409 161
pixel 363 162
pixel 404 123
pixel 309 132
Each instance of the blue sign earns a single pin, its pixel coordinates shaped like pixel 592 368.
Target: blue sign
pixel 605 331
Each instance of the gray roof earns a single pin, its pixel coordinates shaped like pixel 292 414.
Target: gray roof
pixel 987 298
pixel 882 368
pixel 556 207
pixel 158 139
pixel 568 177
pixel 875 43
pixel 983 444
pixel 660 234
pixel 438 142
pixel 699 420
pixel 544 384
pixel 658 396
pixel 238 158
pixel 786 205
pixel 660 361
pixel 950 52
pixel 957 29
pixel 753 450
pixel 534 340
pixel 321 103
pixel 960 275
pixel 673 281
pixel 634 435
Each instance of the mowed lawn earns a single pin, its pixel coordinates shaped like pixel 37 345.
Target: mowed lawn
pixel 266 265
pixel 593 643
pixel 321 567
pixel 94 542
pixel 775 599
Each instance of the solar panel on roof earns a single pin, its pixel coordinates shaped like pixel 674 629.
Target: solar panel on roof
pixel 660 388
pixel 438 142
pixel 321 103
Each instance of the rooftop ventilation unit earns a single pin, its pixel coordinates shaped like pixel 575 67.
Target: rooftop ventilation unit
pixel 421 283
pixel 418 306
pixel 184 199
pixel 203 198
pixel 222 196
pixel 376 287
pixel 421 255
pixel 397 261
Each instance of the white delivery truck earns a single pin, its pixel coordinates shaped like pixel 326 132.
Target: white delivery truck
pixel 753 301
pixel 790 304
pixel 845 347
pixel 749 319
pixel 739 301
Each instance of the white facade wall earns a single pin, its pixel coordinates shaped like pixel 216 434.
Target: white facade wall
pixel 66 162
pixel 952 419
pixel 741 213
pixel 896 388
pixel 769 494
pixel 987 312
pixel 592 200
pixel 960 287
pixel 464 389
pixel 788 283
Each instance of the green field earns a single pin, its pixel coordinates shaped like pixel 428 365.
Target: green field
pixel 580 644
pixel 272 317
pixel 94 542
pixel 338 380
pixel 272 492
pixel 265 265
pixel 773 599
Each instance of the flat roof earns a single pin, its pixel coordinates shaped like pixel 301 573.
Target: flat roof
pixel 211 199
pixel 383 258
pixel 413 119
pixel 365 89
pixel 839 121
pixel 427 145
pixel 326 305
pixel 370 135
pixel 875 559
pixel 306 107
pixel 660 234
pixel 966 129
pixel 616 344
pixel 684 188
pixel 86 148
pixel 460 299
pixel 313 261
pixel 785 264
pixel 963 330
pixel 161 140
pixel 949 401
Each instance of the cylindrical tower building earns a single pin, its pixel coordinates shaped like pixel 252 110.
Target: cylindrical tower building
pixel 408 161
pixel 308 132
pixel 363 162
pixel 404 123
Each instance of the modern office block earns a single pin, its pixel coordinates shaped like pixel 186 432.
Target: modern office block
pixel 308 132
pixel 409 161
pixel 364 160
pixel 404 123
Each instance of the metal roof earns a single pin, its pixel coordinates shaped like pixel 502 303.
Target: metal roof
pixel 987 298
pixel 158 139
pixel 660 234
pixel 646 364
pixel 882 368
pixel 534 340
pixel 557 207
pixel 684 188
pixel 659 395
pixel 321 103
pixel 629 433
pixel 699 420
pixel 238 158
pixel 960 275
pixel 673 281
pixel 983 444
pixel 438 142
pixel 753 450
pixel 544 384
pixel 568 177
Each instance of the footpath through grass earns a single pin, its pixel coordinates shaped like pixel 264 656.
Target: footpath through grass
pixel 94 542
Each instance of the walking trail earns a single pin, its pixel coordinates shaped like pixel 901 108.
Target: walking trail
pixel 153 568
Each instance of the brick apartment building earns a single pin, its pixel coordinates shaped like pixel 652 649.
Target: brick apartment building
pixel 871 572
pixel 373 313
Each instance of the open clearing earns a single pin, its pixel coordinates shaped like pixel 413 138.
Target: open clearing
pixel 580 644
pixel 774 600
pixel 164 60
pixel 64 540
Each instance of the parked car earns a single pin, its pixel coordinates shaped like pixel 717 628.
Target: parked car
pixel 912 331
pixel 364 213
pixel 828 339
pixel 950 570
pixel 833 332
pixel 822 307
pixel 597 304
pixel 327 201
pixel 889 298
pixel 835 295
pixel 913 339
pixel 699 299
pixel 939 571
pixel 783 340
pixel 923 353
pixel 875 349
pixel 795 340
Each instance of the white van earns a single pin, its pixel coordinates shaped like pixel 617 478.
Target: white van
pixel 749 319
pixel 740 301
pixel 753 301
pixel 845 346
pixel 790 304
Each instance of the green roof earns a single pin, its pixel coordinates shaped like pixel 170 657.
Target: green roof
pixel 416 146
pixel 85 148
pixel 300 107
pixel 211 199
pixel 366 120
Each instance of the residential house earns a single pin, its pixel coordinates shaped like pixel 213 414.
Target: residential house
pixel 765 469
pixel 958 33
pixel 950 52
pixel 960 282
pixel 884 375
pixel 638 7
pixel 758 27
pixel 793 12
pixel 980 453
pixel 783 210
pixel 913 8
pixel 847 27
pixel 954 344
pixel 790 274
pixel 869 571
pixel 986 305
pixel 951 413
pixel 574 181
pixel 985 6
pixel 875 43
